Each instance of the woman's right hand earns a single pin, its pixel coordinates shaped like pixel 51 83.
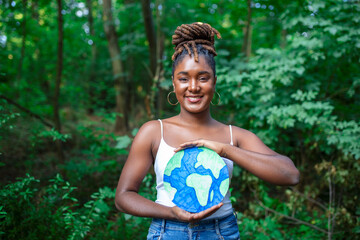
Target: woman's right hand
pixel 184 216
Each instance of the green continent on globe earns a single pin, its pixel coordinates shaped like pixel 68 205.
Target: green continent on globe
pixel 170 190
pixel 174 163
pixel 201 190
pixel 205 158
pixel 224 186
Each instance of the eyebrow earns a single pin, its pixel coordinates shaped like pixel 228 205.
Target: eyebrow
pixel 186 73
pixel 204 72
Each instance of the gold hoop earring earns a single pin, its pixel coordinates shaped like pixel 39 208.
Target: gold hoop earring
pixel 219 101
pixel 168 98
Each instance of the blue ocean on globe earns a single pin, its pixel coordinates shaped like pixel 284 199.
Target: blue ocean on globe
pixel 196 179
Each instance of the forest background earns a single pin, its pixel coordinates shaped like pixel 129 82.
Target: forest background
pixel 79 77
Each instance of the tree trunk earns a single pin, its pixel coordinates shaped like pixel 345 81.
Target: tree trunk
pixel 151 37
pixel 58 81
pixel 130 94
pixel 121 124
pixel 159 74
pixel 150 34
pixel 23 41
pixel 156 49
pixel 246 48
pixel 92 73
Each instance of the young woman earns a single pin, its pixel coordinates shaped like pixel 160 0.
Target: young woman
pixel 194 81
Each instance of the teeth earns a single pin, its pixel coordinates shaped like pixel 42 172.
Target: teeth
pixel 194 98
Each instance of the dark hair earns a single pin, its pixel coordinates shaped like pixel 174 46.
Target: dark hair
pixel 195 39
pixel 209 57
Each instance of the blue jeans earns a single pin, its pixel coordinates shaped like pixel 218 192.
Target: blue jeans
pixel 222 228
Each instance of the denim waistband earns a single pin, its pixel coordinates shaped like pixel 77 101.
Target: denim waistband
pixel 201 225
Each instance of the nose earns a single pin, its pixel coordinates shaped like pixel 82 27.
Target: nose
pixel 194 85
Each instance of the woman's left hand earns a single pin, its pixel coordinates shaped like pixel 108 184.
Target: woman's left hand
pixel 182 215
pixel 215 146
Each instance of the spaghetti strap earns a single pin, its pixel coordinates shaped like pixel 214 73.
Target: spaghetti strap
pixel 161 125
pixel 232 143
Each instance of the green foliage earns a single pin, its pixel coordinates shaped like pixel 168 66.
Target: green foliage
pixel 298 99
pixel 54 135
pixel 96 208
pixel 298 91
pixel 100 143
pixel 6 122
pixel 5 116
pixel 28 212
pixel 265 228
pixel 279 90
pixel 28 218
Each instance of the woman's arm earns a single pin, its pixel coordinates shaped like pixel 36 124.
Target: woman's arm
pixel 253 155
pixel 137 165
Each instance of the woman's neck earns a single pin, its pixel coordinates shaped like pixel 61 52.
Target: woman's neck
pixel 196 119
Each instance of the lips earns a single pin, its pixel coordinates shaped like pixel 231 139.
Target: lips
pixel 194 99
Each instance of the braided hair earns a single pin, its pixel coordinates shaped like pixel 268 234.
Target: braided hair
pixel 195 39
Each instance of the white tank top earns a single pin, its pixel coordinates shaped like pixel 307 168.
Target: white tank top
pixel 163 155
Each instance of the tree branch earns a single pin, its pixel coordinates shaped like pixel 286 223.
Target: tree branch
pixel 297 221
pixel 27 111
pixel 311 199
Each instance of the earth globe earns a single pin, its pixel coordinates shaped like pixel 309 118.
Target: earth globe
pixel 196 179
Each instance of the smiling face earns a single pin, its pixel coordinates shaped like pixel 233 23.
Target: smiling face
pixel 194 84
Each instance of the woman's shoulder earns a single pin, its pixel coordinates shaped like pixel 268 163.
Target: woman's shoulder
pixel 149 132
pixel 234 128
pixel 242 131
pixel 244 137
pixel 156 123
pixel 151 126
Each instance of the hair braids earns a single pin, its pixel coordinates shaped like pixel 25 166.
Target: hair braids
pixel 200 29
pixel 194 50
pixel 187 49
pixel 188 36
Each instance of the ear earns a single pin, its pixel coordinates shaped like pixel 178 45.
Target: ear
pixel 173 82
pixel 215 79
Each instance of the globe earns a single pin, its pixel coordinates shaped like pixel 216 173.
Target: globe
pixel 196 179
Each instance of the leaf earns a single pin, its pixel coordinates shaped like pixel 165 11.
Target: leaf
pixel 123 142
pixel 134 132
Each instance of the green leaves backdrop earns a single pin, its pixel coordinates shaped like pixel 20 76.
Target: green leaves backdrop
pixel 287 70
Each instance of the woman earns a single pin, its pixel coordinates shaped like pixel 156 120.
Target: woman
pixel 194 79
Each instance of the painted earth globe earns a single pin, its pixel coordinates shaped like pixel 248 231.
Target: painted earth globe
pixel 196 179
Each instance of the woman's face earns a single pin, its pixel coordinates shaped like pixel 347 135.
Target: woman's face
pixel 194 84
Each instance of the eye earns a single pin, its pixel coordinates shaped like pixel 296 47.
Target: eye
pixel 203 79
pixel 182 79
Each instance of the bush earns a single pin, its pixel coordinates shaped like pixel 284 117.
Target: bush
pixel 28 211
